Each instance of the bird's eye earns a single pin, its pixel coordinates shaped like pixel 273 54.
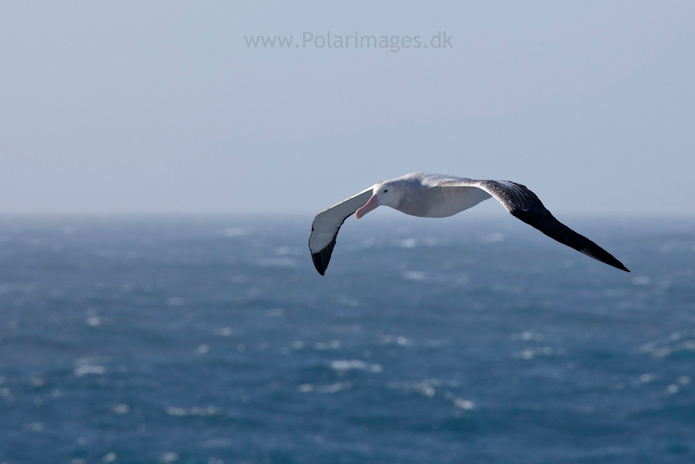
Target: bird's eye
pixel 386 190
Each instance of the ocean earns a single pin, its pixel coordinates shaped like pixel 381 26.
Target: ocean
pixel 464 340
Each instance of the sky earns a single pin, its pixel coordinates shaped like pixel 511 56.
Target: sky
pixel 168 107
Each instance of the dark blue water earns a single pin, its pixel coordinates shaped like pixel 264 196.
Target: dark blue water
pixel 211 340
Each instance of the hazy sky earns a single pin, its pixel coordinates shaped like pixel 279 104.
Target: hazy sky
pixel 136 107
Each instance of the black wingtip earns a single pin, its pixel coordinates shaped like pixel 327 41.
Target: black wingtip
pixel 599 254
pixel 544 221
pixel 322 271
pixel 622 268
pixel 322 257
pixel 617 264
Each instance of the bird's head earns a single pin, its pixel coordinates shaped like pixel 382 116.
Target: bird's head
pixel 387 193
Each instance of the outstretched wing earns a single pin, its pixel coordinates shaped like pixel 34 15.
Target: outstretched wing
pixel 326 225
pixel 525 205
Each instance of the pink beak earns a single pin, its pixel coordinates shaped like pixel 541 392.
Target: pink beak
pixel 371 204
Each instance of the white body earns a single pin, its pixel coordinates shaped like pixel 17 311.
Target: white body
pixel 422 197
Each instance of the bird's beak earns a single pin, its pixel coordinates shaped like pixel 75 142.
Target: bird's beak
pixel 371 204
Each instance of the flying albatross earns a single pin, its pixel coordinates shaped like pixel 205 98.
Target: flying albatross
pixel 436 196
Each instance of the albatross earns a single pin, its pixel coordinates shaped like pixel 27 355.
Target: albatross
pixel 437 196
